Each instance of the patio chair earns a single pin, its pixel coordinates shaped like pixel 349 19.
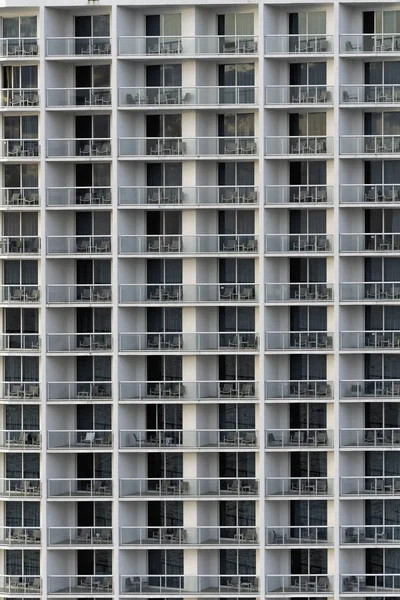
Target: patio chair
pixel 87 439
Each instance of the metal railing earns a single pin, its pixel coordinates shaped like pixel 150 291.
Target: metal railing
pixel 286 584
pixel 367 193
pixel 19 47
pixel 148 391
pixel 71 536
pixel 371 437
pixel 79 439
pixel 377 340
pixel 194 45
pixel 19 293
pixel 178 487
pixel 200 438
pixel 184 196
pixel 20 391
pixel 21 584
pixel 73 487
pixel 30 439
pixel 181 244
pixel 298 145
pixel 369 144
pixel 79 342
pixel 20 536
pixel 298 438
pixel 370 388
pixel 369 93
pixel 188 342
pixel 78 244
pixel 178 292
pixel 15 342
pixel 19 196
pixel 134 97
pixel 19 244
pixel 299 94
pixel 298 242
pixel 369 242
pixel 67 97
pixel 299 486
pixel 79 148
pixel 358 43
pixel 299 390
pixel 299 43
pixel 19 97
pixel 369 486
pixel 78 46
pixel 204 535
pixel 192 584
pixel 299 292
pixel 292 340
pixel 371 290
pixel 79 584
pixel 382 583
pixel 61 391
pixel 20 148
pixel 194 147
pixel 369 534
pixel 78 196
pixel 63 293
pixel 313 535
pixel 20 487
pixel 298 194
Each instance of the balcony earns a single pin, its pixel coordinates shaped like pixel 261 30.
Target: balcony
pixel 64 47
pixel 369 43
pixel 164 46
pixel 79 97
pixel 19 98
pixel 20 487
pixel 21 197
pixel 189 342
pixel 76 391
pixel 370 389
pixel 298 146
pixel 299 340
pixel 299 536
pixel 181 244
pixel 367 194
pixel 278 439
pixel 20 391
pixel 281 195
pixel 171 97
pixel 370 340
pixel 79 439
pixel 18 294
pixel 80 584
pixel 369 534
pixel 189 584
pixel 298 292
pixel 368 145
pixel 174 438
pixel 278 243
pixel 299 44
pixel 137 293
pixel 185 488
pixel 191 536
pixel 77 536
pixel 20 149
pixel 78 244
pixel 20 536
pixel 181 197
pixel 369 94
pixel 78 488
pixel 295 584
pixel 177 391
pixel 369 486
pixel 369 242
pixel 299 486
pixel 369 438
pixel 79 294
pixel 370 291
pixel 29 439
pixel 20 342
pixel 65 197
pixel 79 148
pixel 21 584
pixel 19 47
pixel 315 95
pixel 382 584
pixel 20 245
pixel 245 147
pixel 289 391
pixel 79 342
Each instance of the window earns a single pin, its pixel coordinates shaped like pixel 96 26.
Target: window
pixel 234 368
pixel 236 319
pixel 164 271
pixel 307 270
pixel 308 464
pixel 21 176
pixel 237 562
pixel 236 270
pixel 23 321
pixel 20 272
pixel 236 464
pixel 307 124
pixel 24 465
pixel 385 123
pixel 19 27
pixel 164 368
pixel 236 416
pixel 309 562
pixel 381 366
pixel 307 416
pixel 307 368
pixel 308 512
pixel 307 74
pixel 22 562
pixel 307 221
pixel 240 76
pixel 307 23
pixel 164 25
pixel 164 320
pixel 165 562
pixel 232 222
pixel 22 77
pixel 21 368
pixel 164 223
pixel 22 135
pixel 382 415
pixel 22 514
pixel 96 27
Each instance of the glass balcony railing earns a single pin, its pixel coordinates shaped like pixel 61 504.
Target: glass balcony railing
pixel 369 485
pixel 190 584
pixel 20 391
pixel 20 487
pixel 298 438
pixel 189 342
pixel 182 244
pixel 20 245
pixel 61 197
pixel 292 340
pixel 135 97
pixel 78 244
pixel 173 438
pixel 367 193
pixel 298 194
pixel 72 488
pixel 79 148
pixel 369 93
pixel 369 388
pixel 382 584
pixel 17 342
pixel 80 584
pixel 194 196
pixel 19 293
pixel 67 97
pixel 133 293
pixel 193 147
pixel 67 439
pixel 19 47
pixel 313 535
pixel 20 149
pixel 58 47
pixel 197 536
pixel 369 534
pixel 19 97
pixel 298 145
pixel 299 292
pixel 369 437
pixel 183 45
pixel 217 486
pixel 79 342
pixel 21 584
pixel 370 340
pixel 63 293
pixel 61 391
pixel 212 391
pixel 369 242
pixel 299 43
pixel 298 242
pixel 367 43
pixel 369 291
pixel 19 536
pixel 76 536
pixel 19 196
pixel 299 94
pixel 368 145
pixel 299 486
pixel 30 439
pixel 299 390
pixel 295 584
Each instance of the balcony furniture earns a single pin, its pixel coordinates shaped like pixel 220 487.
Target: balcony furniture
pixel 227 293
pixel 82 245
pixel 229 245
pixel 246 293
pixel 85 342
pixel 154 246
pixel 250 246
pixel 230 148
pixel 34 296
pixel 87 439
pixel 231 438
pixel 248 438
pixel 248 488
pixel 272 441
pixel 16 391
pixel 278 538
pixel 227 390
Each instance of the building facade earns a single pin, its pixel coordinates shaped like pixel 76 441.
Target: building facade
pixel 199 219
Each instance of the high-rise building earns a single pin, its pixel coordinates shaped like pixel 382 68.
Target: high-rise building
pixel 200 298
